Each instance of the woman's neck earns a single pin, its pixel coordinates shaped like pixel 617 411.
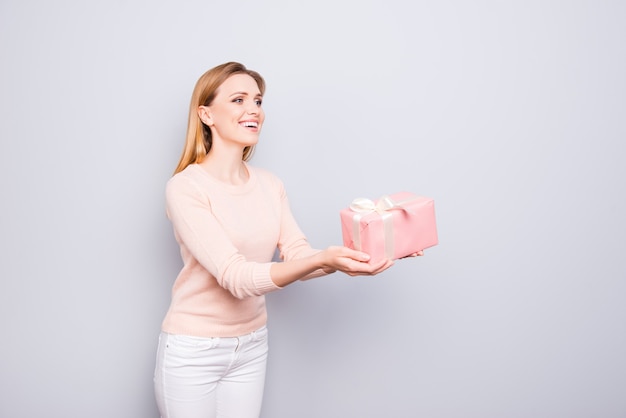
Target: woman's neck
pixel 227 168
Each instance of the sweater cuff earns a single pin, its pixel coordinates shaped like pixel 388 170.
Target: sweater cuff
pixel 264 283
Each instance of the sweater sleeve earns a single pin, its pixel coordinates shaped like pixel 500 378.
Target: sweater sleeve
pixel 197 230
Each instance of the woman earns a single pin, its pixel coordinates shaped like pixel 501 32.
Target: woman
pixel 228 219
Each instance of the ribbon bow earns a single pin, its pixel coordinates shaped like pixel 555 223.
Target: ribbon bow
pixel 363 206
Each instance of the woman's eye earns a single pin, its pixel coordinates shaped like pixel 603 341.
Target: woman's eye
pixel 238 100
pixel 258 102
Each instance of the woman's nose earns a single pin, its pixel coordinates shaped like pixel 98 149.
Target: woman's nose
pixel 252 108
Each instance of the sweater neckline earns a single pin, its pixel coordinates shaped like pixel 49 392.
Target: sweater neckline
pixel 230 188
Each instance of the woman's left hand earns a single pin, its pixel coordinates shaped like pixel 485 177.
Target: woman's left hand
pixel 417 254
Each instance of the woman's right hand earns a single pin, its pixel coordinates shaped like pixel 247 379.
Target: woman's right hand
pixel 351 262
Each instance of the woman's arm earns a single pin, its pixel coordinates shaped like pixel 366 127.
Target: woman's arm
pixel 351 262
pixel 208 243
pixel 301 262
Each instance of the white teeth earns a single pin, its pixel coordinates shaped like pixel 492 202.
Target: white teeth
pixel 249 124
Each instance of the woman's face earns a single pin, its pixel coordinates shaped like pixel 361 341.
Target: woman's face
pixel 235 115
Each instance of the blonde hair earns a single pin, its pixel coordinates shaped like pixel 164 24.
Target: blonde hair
pixel 198 141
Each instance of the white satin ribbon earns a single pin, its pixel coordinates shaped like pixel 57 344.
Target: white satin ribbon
pixel 363 206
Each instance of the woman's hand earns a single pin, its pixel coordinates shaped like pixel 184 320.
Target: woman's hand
pixel 336 258
pixel 351 262
pixel 417 254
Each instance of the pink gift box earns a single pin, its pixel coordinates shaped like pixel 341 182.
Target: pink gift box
pixel 393 226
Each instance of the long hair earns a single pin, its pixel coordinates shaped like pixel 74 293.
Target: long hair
pixel 198 141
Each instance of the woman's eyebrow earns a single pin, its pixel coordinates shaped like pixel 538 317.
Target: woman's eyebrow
pixel 243 93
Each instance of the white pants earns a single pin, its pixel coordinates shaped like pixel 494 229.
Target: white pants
pixel 211 377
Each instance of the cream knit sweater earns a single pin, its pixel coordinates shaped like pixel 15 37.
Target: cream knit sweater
pixel 228 236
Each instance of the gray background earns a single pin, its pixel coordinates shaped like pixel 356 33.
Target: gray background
pixel 511 115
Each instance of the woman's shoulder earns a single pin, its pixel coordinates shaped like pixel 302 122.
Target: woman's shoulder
pixel 189 177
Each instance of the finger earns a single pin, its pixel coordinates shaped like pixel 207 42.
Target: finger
pixel 357 255
pixel 385 266
pixel 359 268
pixel 384 263
pixel 367 269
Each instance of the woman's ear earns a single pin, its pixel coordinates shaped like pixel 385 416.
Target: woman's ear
pixel 205 115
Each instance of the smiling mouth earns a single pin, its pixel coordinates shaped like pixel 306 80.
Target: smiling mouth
pixel 248 124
